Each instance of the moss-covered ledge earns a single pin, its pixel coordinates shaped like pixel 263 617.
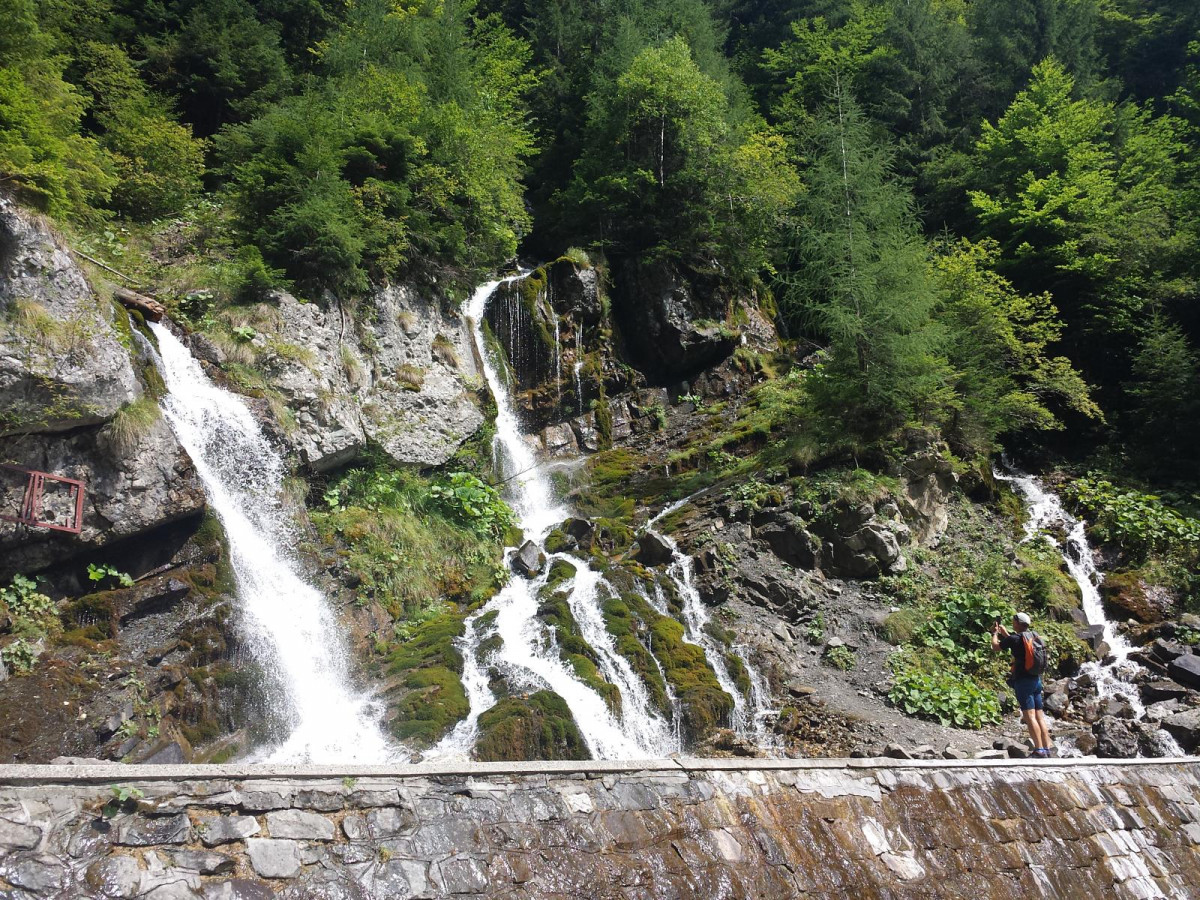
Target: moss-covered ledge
pixel 675 828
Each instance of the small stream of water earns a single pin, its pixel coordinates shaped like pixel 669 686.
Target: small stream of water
pixel 1113 675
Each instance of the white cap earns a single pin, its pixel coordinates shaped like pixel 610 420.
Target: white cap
pixel 1023 618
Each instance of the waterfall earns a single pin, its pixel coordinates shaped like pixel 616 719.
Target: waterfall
pixel 557 360
pixel 1113 676
pixel 528 657
pixel 289 627
pixel 578 368
pixel 747 718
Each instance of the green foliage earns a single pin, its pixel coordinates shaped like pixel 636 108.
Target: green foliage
pixel 1004 379
pixel 469 500
pixel 860 280
pixel 949 698
pixel 1140 523
pixel 124 799
pixel 22 599
pixel 413 539
pixel 43 155
pixel 99 573
pixel 960 627
pixel 413 142
pixel 840 657
pixel 157 163
pixel 20 656
pixel 1079 194
pixel 665 169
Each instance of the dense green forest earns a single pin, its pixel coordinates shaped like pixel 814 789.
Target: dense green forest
pixel 987 212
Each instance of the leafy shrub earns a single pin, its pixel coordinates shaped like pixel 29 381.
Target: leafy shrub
pixel 1140 523
pixel 466 498
pixel 23 599
pixel 960 626
pixel 948 697
pixel 20 656
pixel 840 657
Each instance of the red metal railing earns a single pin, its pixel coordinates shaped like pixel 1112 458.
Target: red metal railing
pixel 31 502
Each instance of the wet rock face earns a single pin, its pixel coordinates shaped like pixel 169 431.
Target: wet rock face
pixel 128 491
pixel 718 830
pixel 672 322
pixel 62 363
pixel 69 361
pixel 399 379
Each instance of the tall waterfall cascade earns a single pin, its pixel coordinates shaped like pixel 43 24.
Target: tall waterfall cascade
pixel 290 629
pixel 528 657
pixel 1113 675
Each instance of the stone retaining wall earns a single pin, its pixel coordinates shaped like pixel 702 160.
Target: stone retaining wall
pixel 708 829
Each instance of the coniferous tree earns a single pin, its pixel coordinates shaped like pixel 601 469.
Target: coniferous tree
pixel 860 278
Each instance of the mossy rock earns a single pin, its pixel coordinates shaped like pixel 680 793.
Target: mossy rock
pixel 536 727
pixel 431 643
pixel 436 702
pixel 555 610
pixel 559 542
pixel 560 571
pixel 1045 582
pixel 739 672
pixel 623 626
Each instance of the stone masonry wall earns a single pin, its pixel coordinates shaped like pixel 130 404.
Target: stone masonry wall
pixel 707 829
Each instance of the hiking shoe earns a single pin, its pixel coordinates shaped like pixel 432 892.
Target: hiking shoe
pixel 1041 753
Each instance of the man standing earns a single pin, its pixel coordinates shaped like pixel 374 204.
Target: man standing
pixel 1029 661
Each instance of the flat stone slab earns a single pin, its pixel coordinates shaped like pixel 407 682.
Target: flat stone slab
pixel 148 831
pixel 273 858
pixel 226 829
pixel 297 823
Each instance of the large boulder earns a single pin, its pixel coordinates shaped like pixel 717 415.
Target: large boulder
pixel 400 378
pixel 1185 728
pixel 673 323
pixel 63 359
pixel 929 482
pixel 1115 738
pixel 1127 596
pixel 1186 670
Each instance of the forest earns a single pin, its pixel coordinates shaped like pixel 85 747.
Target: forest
pixel 985 214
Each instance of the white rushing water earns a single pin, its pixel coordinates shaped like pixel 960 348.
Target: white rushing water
pixel 288 625
pixel 1112 676
pixel 528 657
pixel 749 714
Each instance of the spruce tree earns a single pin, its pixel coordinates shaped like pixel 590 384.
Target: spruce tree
pixel 860 278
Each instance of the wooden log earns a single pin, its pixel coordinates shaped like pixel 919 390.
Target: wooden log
pixel 147 306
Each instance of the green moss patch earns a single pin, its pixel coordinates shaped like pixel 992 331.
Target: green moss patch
pixel 436 701
pixel 536 727
pixel 555 611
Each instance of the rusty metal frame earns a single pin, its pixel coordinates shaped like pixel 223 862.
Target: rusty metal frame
pixel 31 503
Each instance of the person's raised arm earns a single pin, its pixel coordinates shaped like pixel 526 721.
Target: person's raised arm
pixel 998 631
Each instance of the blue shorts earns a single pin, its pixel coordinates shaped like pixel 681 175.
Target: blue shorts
pixel 1029 692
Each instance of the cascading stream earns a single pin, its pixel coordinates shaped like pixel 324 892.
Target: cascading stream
pixel 528 657
pixel 289 627
pixel 748 718
pixel 1112 676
